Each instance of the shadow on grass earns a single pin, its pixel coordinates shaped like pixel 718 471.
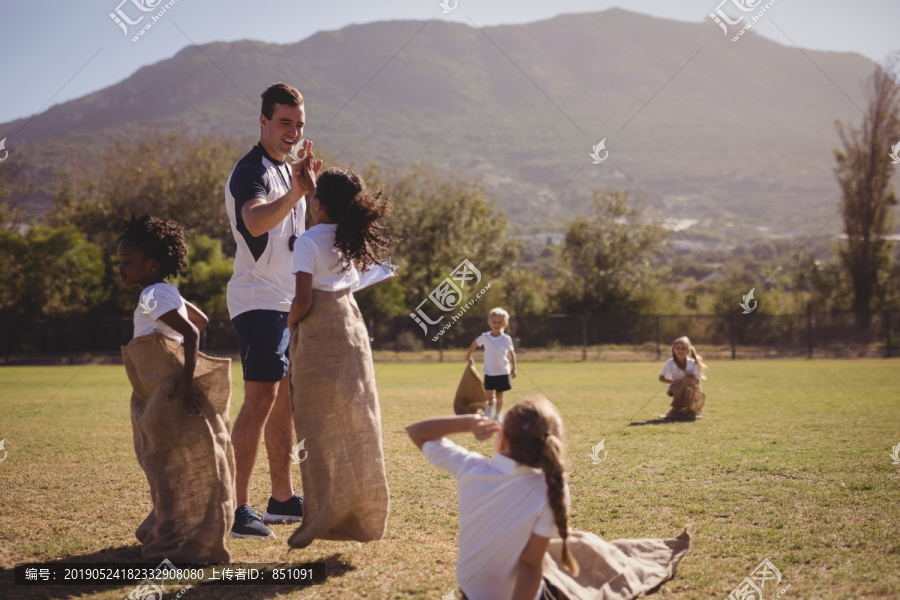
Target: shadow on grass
pixel 333 566
pixel 659 422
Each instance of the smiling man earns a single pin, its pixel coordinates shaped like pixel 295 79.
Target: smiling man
pixel 266 205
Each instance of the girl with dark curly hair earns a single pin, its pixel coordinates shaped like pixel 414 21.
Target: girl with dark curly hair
pixel 179 404
pixel 335 403
pixel 150 251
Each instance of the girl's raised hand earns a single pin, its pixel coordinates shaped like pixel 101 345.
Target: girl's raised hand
pixel 306 171
pixel 483 428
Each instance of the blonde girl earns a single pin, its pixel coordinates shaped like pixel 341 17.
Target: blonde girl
pixel 682 374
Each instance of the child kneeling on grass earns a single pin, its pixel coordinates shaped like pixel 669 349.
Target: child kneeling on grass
pixel 179 406
pixel 514 536
pixel 683 373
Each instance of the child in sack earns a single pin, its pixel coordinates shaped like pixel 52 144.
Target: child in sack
pixel 683 373
pixel 514 536
pixel 509 505
pixel 332 377
pixel 179 406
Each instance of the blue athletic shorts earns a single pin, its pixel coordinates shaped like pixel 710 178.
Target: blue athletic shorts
pixel 263 337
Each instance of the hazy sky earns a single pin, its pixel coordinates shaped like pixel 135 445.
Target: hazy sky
pixel 57 50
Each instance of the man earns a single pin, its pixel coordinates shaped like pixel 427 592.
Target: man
pixel 266 204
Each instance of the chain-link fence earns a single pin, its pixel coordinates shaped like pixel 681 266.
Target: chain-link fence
pixel 574 337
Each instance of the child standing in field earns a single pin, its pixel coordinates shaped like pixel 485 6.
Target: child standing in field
pixel 499 361
pixel 683 373
pixel 335 402
pixel 179 408
pixel 509 505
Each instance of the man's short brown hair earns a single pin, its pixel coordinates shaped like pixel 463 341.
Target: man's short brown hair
pixel 279 93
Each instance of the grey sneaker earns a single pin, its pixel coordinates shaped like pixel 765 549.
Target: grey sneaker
pixel 248 524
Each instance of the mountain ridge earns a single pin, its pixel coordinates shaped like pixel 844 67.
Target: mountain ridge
pixel 730 133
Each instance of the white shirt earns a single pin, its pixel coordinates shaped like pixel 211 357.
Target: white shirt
pixel 501 503
pixel 316 254
pixel 262 277
pixel 496 353
pixel 157 300
pixel 671 371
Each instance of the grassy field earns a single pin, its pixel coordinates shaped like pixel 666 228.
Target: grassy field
pixel 791 463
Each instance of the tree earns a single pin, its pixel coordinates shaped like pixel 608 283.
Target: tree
pixel 864 174
pixel 609 259
pixel 205 280
pixel 52 273
pixel 169 176
pixel 440 221
pixel 13 257
pixel 16 185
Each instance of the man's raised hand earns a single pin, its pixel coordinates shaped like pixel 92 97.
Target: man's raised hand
pixel 306 171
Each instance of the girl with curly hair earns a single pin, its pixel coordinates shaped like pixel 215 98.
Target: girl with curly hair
pixel 150 251
pixel 179 404
pixel 335 402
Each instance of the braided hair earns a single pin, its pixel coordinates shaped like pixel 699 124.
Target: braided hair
pixel 535 435
pixel 159 239
pixel 355 209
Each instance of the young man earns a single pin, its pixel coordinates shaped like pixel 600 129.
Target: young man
pixel 266 204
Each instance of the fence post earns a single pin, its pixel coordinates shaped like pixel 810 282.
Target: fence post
pixel 809 338
pixel 658 340
pixel 584 337
pixel 69 337
pixel 887 334
pixel 733 338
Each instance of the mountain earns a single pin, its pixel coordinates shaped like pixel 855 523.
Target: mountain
pixel 739 136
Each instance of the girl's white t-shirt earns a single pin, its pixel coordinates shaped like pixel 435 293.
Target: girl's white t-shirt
pixel 157 300
pixel 496 353
pixel 315 253
pixel 501 503
pixel 671 371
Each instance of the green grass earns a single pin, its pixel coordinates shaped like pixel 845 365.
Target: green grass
pixel 791 463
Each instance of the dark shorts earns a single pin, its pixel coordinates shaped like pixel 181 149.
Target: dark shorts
pixel 498 383
pixel 263 337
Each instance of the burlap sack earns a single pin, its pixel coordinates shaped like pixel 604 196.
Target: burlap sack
pixel 688 398
pixel 470 392
pixel 335 405
pixel 188 459
pixel 617 570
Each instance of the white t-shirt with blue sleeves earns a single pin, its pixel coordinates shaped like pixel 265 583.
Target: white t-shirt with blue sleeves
pixel 157 300
pixel 501 503
pixel 315 253
pixel 262 277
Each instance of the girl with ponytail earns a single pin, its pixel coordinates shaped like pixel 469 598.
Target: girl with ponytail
pixel 683 373
pixel 509 505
